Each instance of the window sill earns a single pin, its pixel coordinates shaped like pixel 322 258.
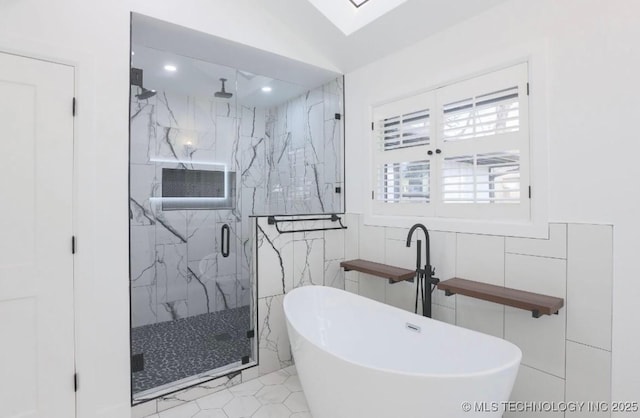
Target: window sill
pixel 529 229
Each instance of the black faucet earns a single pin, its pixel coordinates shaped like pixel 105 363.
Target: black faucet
pixel 424 274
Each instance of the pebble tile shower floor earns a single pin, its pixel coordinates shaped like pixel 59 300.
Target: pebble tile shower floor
pixel 175 350
pixel 276 395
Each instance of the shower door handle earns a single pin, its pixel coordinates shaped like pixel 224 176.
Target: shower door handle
pixel 224 239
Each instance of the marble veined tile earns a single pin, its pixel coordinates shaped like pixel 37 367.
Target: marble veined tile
pixel 275 352
pixel 333 274
pixel 143 184
pixel 274 395
pixel 308 262
pixel 143 306
pixel 275 260
pixel 171 272
pixel 143 131
pixel 143 255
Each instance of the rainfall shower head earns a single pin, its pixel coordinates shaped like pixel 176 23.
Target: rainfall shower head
pixel 223 93
pixel 145 94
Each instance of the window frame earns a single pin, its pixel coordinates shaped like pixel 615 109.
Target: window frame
pixel 535 55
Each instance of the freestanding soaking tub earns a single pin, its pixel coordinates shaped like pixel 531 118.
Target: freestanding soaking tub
pixel 358 358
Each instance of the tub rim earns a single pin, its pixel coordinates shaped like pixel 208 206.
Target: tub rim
pixel 486 372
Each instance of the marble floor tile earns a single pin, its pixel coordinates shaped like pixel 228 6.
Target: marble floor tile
pixel 276 395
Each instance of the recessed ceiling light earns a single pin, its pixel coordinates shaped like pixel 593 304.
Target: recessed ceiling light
pixel 267 89
pixel 133 53
pixel 358 3
pixel 170 68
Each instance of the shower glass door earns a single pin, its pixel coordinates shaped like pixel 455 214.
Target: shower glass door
pixel 192 308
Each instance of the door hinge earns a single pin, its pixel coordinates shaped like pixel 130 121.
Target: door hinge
pixel 372 126
pixel 73 244
pixel 73 106
pixel 75 382
pixel 527 89
pixel 372 195
pixel 529 192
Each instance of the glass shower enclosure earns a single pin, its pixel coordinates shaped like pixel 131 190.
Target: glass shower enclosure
pixel 191 295
pixel 212 146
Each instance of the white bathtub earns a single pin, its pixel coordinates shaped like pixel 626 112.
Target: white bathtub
pixel 358 358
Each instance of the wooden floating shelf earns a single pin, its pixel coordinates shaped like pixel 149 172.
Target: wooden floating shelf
pixel 535 302
pixel 394 274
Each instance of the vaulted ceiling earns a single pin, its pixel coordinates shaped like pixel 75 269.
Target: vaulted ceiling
pixel 411 21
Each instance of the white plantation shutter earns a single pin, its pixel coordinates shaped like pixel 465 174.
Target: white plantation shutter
pixel 406 130
pixel 458 151
pixel 404 182
pixel 483 136
pixel 402 168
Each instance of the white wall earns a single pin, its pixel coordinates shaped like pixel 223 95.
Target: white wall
pixel 591 84
pixel 94 36
pixel 566 357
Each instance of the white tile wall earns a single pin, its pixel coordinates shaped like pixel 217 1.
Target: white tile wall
pixel 479 315
pixel 534 385
pixel 372 287
pixel 396 253
pixel 333 274
pixel 400 234
pixel 351 285
pixel 565 356
pixel 402 294
pixel 589 288
pixel 542 340
pixel 444 314
pixel 372 243
pixel 352 236
pixel 334 244
pixel 588 377
pixel 555 246
pixel 558 362
pixel 480 258
pixel 443 258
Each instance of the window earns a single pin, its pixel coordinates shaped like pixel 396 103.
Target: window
pixel 460 151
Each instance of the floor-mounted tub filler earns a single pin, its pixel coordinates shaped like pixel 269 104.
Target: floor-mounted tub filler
pixel 360 358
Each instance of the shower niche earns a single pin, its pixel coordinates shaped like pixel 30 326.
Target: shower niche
pixel 219 132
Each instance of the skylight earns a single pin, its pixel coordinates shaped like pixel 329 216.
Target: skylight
pixel 358 3
pixel 349 16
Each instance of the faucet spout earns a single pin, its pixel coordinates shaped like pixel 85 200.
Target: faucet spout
pixel 426 234
pixel 424 275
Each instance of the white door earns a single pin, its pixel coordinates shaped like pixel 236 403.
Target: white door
pixel 36 264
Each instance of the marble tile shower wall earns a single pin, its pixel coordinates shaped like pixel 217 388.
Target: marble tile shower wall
pixel 176 266
pixel 566 357
pixel 287 160
pixel 294 163
pixel 285 262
